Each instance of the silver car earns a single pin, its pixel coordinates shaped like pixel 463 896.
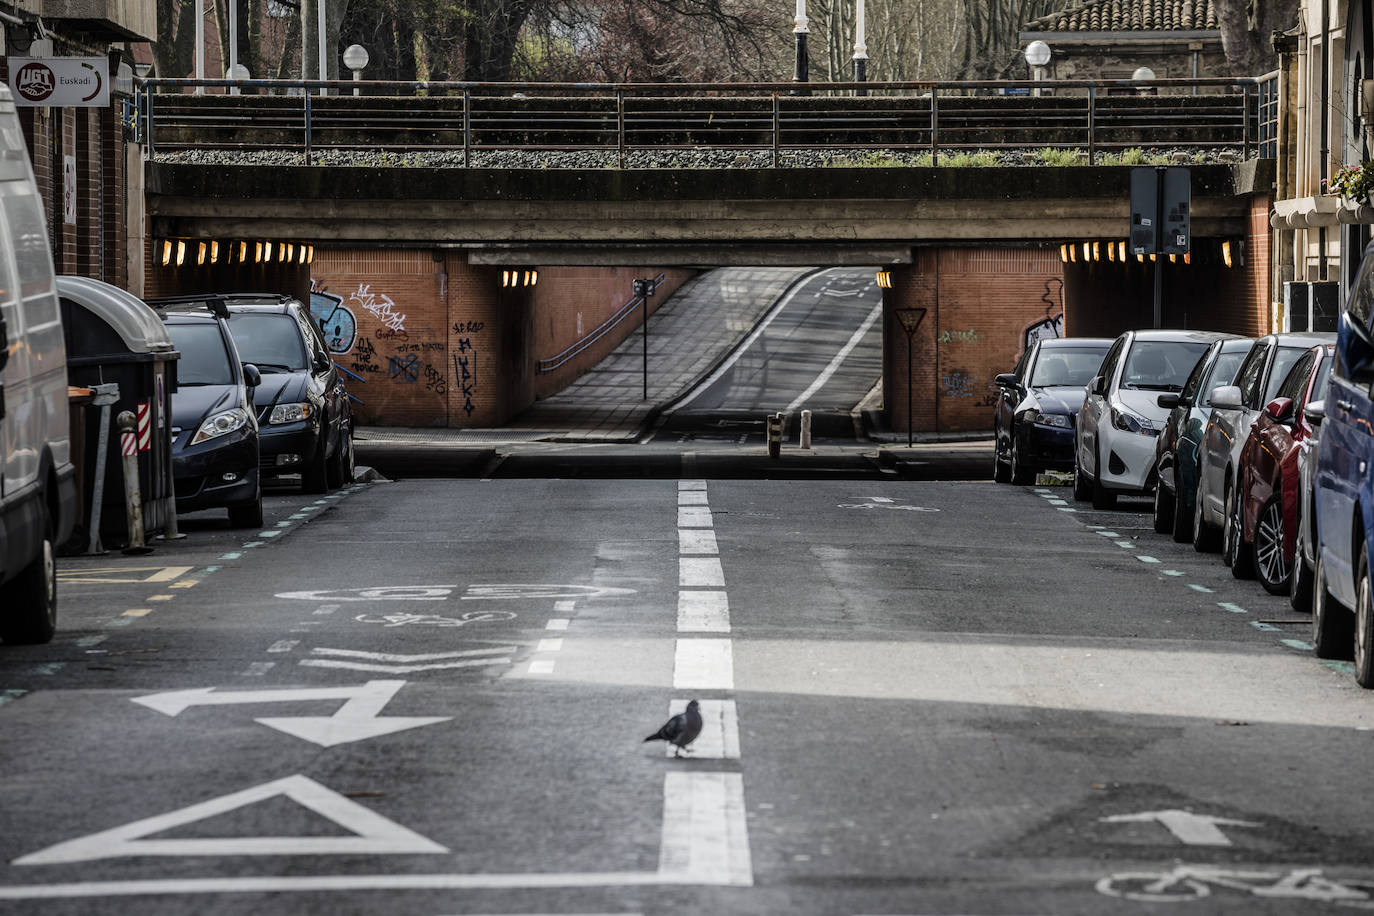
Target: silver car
pixel 1234 410
pixel 1114 446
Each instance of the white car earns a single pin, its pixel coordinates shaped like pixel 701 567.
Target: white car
pixel 1114 444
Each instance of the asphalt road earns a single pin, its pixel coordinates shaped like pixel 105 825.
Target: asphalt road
pixel 922 697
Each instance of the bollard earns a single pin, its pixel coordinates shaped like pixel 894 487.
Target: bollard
pixel 806 429
pixel 105 395
pixel 133 499
pixel 774 435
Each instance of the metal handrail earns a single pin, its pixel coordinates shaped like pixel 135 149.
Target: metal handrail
pixel 1248 89
pixel 558 361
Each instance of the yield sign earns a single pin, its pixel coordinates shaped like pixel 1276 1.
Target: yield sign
pixel 1187 827
pixel 356 720
pixel 371 833
pixel 910 319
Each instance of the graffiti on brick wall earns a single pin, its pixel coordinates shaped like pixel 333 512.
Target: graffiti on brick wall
pixel 957 383
pixel 335 319
pixel 403 370
pixel 465 372
pixel 1052 325
pixel 382 308
pixel 968 337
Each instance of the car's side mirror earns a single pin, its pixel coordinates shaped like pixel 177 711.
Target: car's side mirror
pixel 1005 380
pixel 1280 409
pixel 1227 397
pixel 1098 385
pixel 1315 412
pixel 1168 401
pixel 251 376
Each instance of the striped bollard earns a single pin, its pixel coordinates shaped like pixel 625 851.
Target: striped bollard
pixel 774 435
pixel 133 498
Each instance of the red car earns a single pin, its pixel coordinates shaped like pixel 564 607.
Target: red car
pixel 1269 479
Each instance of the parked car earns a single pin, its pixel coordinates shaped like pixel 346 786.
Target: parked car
pixel 1268 484
pixel 1305 525
pixel 304 416
pixel 1177 446
pixel 1114 444
pixel 1234 408
pixel 214 428
pixel 1036 406
pixel 1342 615
pixel 38 503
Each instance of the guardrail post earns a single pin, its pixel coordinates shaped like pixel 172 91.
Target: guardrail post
pixel 620 126
pixel 1245 120
pixel 467 129
pixel 307 124
pixel 1092 125
pixel 777 129
pixel 934 126
pixel 148 119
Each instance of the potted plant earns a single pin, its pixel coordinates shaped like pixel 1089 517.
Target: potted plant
pixel 1352 182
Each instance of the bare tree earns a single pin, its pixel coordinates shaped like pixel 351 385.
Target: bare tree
pixel 174 52
pixel 1246 28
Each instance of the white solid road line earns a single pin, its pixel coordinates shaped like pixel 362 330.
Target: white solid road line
pixel 694 517
pixel 700 572
pixel 838 358
pixel 704 664
pixel 703 612
pixel 691 484
pixel 719 738
pixel 691 497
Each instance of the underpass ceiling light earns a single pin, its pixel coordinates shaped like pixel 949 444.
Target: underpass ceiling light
pixel 181 252
pixel 1063 254
pixel 243 252
pixel 257 252
pixel 1226 253
pixel 1173 259
pixel 200 254
pixel 166 251
pixel 1111 251
pixel 884 278
pixel 1121 251
pixel 1097 252
pixel 310 258
pixel 301 255
pixel 1085 251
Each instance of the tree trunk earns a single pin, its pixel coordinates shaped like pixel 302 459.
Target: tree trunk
pixel 1246 28
pixel 174 51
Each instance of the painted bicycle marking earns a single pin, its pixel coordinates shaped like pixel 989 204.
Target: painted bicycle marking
pixel 402 619
pixel 886 506
pixel 471 593
pixel 1187 883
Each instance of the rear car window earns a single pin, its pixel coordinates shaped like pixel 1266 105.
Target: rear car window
pixel 1283 362
pixel 204 357
pixel 267 340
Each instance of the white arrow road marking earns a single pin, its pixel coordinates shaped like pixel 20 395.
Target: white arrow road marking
pixel 432 661
pixel 357 720
pixel 373 834
pixel 1187 827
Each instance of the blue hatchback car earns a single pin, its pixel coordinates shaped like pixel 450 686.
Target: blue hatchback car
pixel 1342 617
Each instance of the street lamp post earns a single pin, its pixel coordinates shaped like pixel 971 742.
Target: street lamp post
pixel 1037 56
pixel 860 49
pixel 801 30
pixel 355 58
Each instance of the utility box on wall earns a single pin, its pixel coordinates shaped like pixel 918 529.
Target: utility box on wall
pixel 1311 306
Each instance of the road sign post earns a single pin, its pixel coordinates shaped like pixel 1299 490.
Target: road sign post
pixel 911 320
pixel 1160 201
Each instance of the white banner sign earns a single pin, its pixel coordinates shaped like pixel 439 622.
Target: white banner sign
pixel 62 82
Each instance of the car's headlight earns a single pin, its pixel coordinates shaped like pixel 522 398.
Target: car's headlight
pixel 221 424
pixel 1125 420
pixel 290 413
pixel 1047 419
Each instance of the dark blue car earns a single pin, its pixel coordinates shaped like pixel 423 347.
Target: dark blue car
pixel 1342 616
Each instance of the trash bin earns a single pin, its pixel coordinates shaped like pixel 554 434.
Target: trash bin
pixel 114 337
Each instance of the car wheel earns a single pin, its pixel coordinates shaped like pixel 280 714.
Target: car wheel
pixel 1300 590
pixel 315 476
pixel 1364 624
pixel 1235 553
pixel 30 599
pixel 1273 571
pixel 341 468
pixel 1102 497
pixel 1333 627
pixel 1020 474
pixel 247 515
pixel 1183 521
pixel 1204 535
pixel 1164 508
pixel 1000 472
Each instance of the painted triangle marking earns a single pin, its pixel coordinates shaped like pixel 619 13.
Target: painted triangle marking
pixel 373 834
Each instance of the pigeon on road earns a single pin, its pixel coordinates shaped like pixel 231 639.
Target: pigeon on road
pixel 681 730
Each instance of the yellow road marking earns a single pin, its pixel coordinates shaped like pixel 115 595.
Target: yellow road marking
pixel 161 597
pixel 185 583
pixel 110 575
pixel 137 612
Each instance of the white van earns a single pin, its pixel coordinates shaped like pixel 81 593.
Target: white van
pixel 38 500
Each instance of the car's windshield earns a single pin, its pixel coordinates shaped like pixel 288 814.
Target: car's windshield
pixel 272 342
pixel 1223 373
pixel 204 359
pixel 1161 365
pixel 1067 365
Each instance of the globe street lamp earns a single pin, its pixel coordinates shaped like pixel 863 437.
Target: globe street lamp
pixel 860 49
pixel 800 30
pixel 1037 56
pixel 355 58
pixel 1145 73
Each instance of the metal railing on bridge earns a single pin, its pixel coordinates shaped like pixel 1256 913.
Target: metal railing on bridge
pixel 617 120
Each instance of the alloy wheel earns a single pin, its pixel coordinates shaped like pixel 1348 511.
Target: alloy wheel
pixel 1273 569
